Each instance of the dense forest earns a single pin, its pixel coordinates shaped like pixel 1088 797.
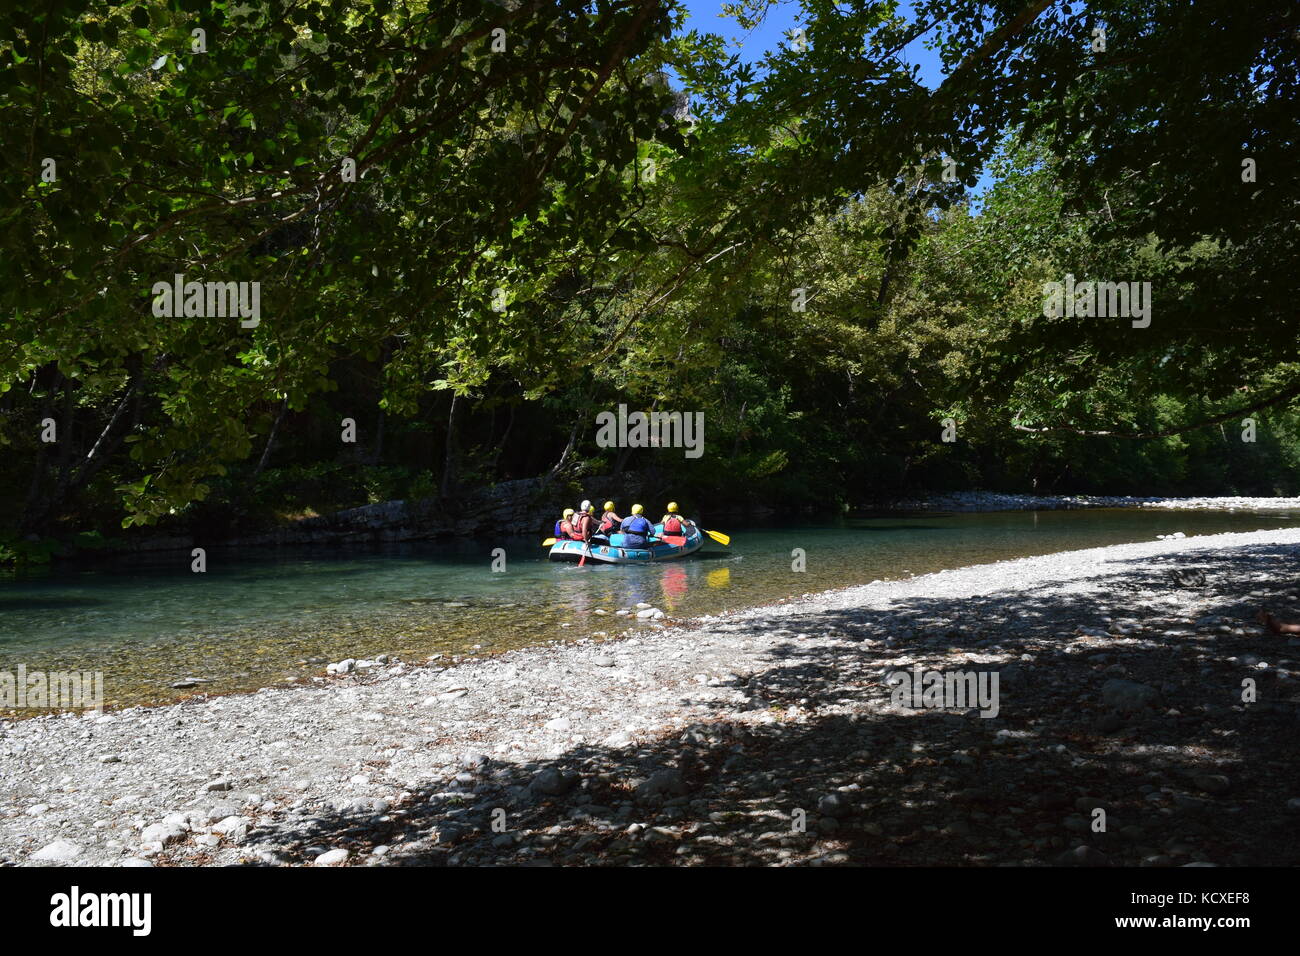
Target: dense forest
pixel 474 226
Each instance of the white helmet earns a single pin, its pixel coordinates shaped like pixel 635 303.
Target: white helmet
pixel 586 506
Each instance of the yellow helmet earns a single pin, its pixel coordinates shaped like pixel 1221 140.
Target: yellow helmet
pixel 591 509
pixel 609 506
pixel 672 507
pixel 568 512
pixel 637 509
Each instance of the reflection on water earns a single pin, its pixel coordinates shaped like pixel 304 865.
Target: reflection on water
pixel 258 617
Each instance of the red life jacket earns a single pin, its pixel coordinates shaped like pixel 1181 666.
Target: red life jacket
pixel 582 527
pixel 672 525
pixel 609 522
pixel 566 527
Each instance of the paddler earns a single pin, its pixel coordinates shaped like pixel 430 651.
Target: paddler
pixel 609 520
pixel 636 529
pixel 584 523
pixel 564 527
pixel 673 522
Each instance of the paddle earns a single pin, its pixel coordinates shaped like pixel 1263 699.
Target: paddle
pixel 717 536
pixel 548 542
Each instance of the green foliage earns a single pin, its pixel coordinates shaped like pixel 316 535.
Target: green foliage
pixel 549 230
pixel 476 170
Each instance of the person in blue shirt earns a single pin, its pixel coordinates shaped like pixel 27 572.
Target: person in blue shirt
pixel 564 525
pixel 636 529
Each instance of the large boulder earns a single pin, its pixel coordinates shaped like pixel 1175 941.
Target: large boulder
pixel 1128 696
pixel 663 783
pixel 60 851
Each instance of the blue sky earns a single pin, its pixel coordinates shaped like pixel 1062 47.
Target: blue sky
pixel 705 16
pixel 783 16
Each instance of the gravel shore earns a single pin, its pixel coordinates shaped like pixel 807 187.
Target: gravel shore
pixel 996 501
pixel 767 736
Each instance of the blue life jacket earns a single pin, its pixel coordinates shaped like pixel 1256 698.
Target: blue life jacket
pixel 635 529
pixel 559 532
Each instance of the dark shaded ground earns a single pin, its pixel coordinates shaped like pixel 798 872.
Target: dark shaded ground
pixel 1199 777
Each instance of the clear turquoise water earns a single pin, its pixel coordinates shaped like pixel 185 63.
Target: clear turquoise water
pixel 260 617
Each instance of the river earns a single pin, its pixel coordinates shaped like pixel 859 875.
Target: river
pixel 259 618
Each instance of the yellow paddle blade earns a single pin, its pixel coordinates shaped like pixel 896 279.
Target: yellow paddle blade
pixel 718 536
pixel 548 542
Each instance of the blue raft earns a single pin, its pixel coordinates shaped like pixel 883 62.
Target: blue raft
pixel 614 553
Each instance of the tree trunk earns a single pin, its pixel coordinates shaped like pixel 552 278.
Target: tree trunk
pixel 100 452
pixel 449 460
pixel 505 438
pixel 568 448
pixel 32 505
pixel 74 475
pixel 377 449
pixel 740 424
pixel 40 505
pixel 270 439
pixel 621 461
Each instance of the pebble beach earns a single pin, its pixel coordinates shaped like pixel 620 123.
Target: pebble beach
pixel 765 736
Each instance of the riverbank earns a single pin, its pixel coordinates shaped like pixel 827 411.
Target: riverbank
pixel 968 501
pixel 709 742
pixel 529 507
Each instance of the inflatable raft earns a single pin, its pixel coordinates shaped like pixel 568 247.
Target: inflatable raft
pixel 615 553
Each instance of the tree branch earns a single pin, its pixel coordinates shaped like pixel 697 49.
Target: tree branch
pixel 1278 399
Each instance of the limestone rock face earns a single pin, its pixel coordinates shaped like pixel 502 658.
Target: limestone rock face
pixel 526 506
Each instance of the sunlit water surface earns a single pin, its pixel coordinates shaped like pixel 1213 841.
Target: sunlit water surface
pixel 260 617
